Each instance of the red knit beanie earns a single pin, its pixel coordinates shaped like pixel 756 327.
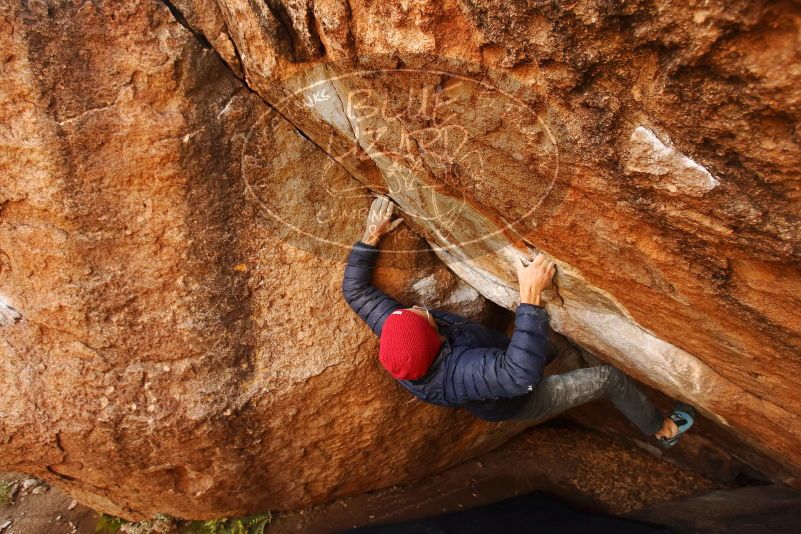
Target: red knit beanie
pixel 408 345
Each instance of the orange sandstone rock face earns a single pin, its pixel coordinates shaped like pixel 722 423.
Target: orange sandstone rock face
pixel 181 182
pixel 651 150
pixel 169 346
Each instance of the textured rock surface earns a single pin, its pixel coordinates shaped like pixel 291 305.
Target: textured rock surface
pixel 762 509
pixel 581 467
pixel 650 149
pixel 173 354
pixel 171 248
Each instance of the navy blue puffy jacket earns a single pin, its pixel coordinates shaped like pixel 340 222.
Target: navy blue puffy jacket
pixel 477 368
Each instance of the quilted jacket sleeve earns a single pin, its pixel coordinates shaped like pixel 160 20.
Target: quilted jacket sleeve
pixel 488 373
pixel 369 302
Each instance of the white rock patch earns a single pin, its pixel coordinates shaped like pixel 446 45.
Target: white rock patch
pixel 464 294
pixel 322 98
pixel 8 314
pixel 484 282
pixel 677 173
pixel 425 288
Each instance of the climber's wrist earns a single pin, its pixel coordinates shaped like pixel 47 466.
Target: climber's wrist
pixel 531 296
pixel 370 238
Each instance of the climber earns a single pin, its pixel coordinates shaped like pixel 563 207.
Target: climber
pixel 448 360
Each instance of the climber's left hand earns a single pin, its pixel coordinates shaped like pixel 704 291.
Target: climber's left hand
pixel 379 220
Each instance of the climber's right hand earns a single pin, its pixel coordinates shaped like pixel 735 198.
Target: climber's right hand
pixel 534 276
pixel 379 220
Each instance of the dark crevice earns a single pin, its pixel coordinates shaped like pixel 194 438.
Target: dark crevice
pixel 350 40
pixel 285 27
pixel 202 39
pixel 179 17
pixel 239 60
pixel 303 135
pixel 60 476
pixel 182 20
pixel 204 42
pixel 314 32
pixel 302 45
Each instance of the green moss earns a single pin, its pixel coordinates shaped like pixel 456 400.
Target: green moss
pixel 108 524
pixel 254 524
pixel 5 492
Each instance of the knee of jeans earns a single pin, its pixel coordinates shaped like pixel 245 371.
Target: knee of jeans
pixel 612 376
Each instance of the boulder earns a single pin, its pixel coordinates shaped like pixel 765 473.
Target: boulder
pixel 172 346
pixel 180 182
pixel 649 149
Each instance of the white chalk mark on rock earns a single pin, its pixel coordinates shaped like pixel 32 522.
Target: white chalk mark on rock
pixel 8 314
pixel 426 288
pixel 486 283
pixel 462 295
pixel 327 103
pixel 85 113
pixel 677 172
pixel 191 134
pixel 227 106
